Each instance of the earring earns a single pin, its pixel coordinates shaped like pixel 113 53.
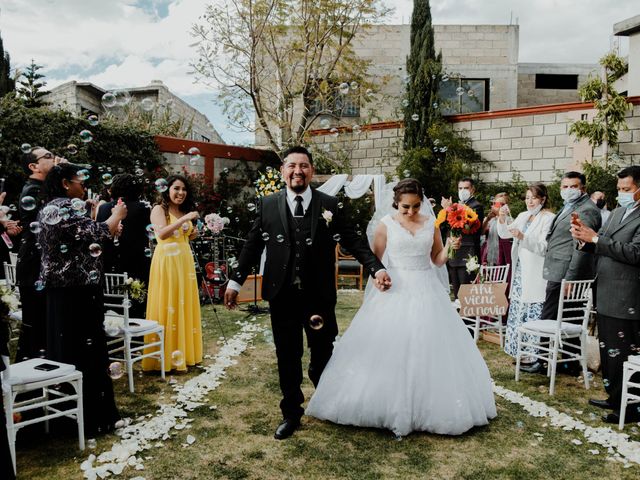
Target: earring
pixel 66 188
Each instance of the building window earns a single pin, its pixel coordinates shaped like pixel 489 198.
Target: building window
pixel 338 104
pixel 556 82
pixel 464 95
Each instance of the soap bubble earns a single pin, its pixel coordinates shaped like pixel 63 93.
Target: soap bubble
pixel 95 250
pixel 147 104
pixel 194 151
pixel 340 205
pixel 343 88
pixel 177 359
pixel 109 100
pixel 26 148
pixel 86 136
pixel 123 97
pixel 460 91
pixel 150 231
pixel 309 242
pixel 78 205
pixel 621 334
pixel 39 285
pixel 72 149
pixel 279 238
pixel 354 86
pixel 415 117
pixel 405 102
pixel 64 248
pixel 406 173
pixel 251 207
pixel 265 236
pixel 445 78
pixel 50 215
pixel 316 322
pixel 147 252
pixel 356 129
pixel 94 275
pixel 336 237
pixel 34 227
pixel 93 120
pixel 471 93
pixel 107 179
pixel 116 371
pixel 334 132
pixel 161 185
pixel 28 203
pixel 324 123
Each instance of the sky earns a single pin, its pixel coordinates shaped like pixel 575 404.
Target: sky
pixel 124 43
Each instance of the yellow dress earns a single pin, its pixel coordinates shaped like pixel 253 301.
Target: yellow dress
pixel 173 302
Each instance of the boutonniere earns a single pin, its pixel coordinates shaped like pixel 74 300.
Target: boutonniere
pixel 327 215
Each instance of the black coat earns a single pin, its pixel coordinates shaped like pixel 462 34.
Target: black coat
pixel 469 244
pixel 318 275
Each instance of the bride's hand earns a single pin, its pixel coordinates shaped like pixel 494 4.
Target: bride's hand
pixel 453 242
pixel 382 281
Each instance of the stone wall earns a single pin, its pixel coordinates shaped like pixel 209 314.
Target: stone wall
pixel 529 95
pixel 530 142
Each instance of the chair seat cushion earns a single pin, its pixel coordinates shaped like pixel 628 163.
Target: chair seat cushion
pixel 349 265
pixel 25 372
pixel 549 326
pixel 141 324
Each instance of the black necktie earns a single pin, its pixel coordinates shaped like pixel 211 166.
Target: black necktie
pixel 299 212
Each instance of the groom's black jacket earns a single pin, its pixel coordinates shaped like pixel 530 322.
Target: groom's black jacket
pixel 318 269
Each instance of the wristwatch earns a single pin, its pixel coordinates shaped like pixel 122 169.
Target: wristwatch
pixel 594 239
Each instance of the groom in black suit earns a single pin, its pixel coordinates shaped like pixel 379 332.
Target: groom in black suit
pixel 299 227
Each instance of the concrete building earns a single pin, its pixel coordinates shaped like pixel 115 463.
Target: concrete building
pixel 83 98
pixel 631 28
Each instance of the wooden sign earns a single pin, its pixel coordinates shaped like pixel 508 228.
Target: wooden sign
pixel 483 300
pixel 249 289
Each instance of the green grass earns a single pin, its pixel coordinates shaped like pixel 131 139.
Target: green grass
pixel 235 441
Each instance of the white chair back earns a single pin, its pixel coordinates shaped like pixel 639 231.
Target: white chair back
pixel 494 274
pixel 576 302
pixel 10 274
pixel 116 295
pixel 13 258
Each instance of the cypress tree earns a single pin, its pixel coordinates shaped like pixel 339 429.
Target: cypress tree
pixel 6 82
pixel 30 88
pixel 424 72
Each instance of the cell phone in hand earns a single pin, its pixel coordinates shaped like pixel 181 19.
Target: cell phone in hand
pixel 46 367
pixel 575 219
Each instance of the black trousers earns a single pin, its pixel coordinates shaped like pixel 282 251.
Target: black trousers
pixel 33 335
pixel 458 276
pixel 619 338
pixel 291 310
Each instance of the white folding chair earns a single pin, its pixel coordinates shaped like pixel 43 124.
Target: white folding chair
pixel 13 258
pixel 124 345
pixel 44 375
pixel 15 316
pixel 547 337
pixel 488 274
pixel 630 367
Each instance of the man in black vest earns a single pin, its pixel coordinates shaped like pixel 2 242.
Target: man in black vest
pixel 33 337
pixel 299 227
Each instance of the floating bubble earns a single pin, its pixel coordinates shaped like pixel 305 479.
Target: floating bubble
pixel 64 248
pixel 83 175
pixel 139 172
pixel 177 359
pixel 334 132
pixel 471 93
pixel 435 105
pixel 39 285
pixel 269 169
pixel 109 100
pixel 229 209
pixel 86 136
pixel 632 311
pixel 343 88
pixel 93 120
pixel 520 425
pixel 193 161
pixel 336 237
pixel 460 91
pixel 50 215
pixel 356 129
pixel 613 352
pixel 444 149
pixel 235 264
pixel 107 179
pixel 35 227
pixel 316 322
pixel 78 205
pixel 94 275
pixel 72 149
pixel 354 86
pixel 181 154
pixel 95 250
pixel 279 238
pixel 28 203
pixel 445 78
pixel 405 102
pixel 91 443
pixel 123 97
pixel 127 303
pixel 415 117
pixel 26 148
pixel 605 382
pixel 147 104
pixel 116 371
pixel 251 207
pixel 147 252
pixel 150 231
pixel 161 185
pixel 621 334
pixel 308 241
pixel 265 236
pixel 324 123
pixel 194 151
pixel 171 249
pixel 406 173
pixel 601 344
pixel 340 205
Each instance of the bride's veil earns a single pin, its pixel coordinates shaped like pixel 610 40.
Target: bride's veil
pixel 383 203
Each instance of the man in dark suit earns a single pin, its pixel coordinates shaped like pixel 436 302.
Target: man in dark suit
pixel 299 227
pixel 617 250
pixel 562 260
pixel 129 252
pixel 33 336
pixel 469 244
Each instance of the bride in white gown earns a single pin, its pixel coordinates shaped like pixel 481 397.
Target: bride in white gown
pixel 407 362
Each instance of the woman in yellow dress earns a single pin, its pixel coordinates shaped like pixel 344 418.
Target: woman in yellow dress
pixel 173 289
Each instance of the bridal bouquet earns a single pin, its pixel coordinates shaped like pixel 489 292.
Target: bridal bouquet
pixel 460 219
pixel 215 223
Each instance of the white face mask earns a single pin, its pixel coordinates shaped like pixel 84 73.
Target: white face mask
pixel 464 194
pixel 534 210
pixel 625 199
pixel 570 194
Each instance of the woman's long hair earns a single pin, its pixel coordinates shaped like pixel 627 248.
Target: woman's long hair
pixel 189 204
pixel 53 187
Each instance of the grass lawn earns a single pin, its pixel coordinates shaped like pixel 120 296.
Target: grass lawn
pixel 235 440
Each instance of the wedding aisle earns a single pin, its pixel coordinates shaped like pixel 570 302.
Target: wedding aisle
pixel 230 434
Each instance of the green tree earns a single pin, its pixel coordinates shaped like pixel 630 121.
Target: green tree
pixel 424 69
pixel 7 84
pixel 280 64
pixel 611 107
pixel 30 88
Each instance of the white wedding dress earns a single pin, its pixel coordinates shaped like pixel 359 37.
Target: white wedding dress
pixel 407 362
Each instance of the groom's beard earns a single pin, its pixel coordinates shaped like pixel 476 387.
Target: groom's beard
pixel 299 187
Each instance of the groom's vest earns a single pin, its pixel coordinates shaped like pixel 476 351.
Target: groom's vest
pixel 299 232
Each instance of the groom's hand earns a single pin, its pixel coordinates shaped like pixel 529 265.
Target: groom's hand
pixel 230 299
pixel 382 281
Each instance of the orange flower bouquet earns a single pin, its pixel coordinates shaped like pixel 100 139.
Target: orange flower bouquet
pixel 461 220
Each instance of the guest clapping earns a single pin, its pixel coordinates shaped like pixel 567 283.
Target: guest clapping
pixel 71 246
pixel 529 231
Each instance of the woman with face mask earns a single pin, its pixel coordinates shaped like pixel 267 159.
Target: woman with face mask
pixel 528 231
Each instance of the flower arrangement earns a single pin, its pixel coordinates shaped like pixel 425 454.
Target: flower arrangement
pixel 461 220
pixel 269 182
pixel 8 303
pixel 215 223
pixel 136 289
pixel 472 264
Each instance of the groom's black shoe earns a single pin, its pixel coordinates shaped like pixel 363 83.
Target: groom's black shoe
pixel 533 368
pixel 286 428
pixel 601 404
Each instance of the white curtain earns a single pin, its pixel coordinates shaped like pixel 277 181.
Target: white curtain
pixel 356 188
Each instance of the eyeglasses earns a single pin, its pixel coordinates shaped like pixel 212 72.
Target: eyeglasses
pixel 48 156
pixel 78 181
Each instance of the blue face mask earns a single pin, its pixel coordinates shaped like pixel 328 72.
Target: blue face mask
pixel 625 199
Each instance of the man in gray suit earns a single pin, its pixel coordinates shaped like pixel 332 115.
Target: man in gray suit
pixel 617 250
pixel 563 260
